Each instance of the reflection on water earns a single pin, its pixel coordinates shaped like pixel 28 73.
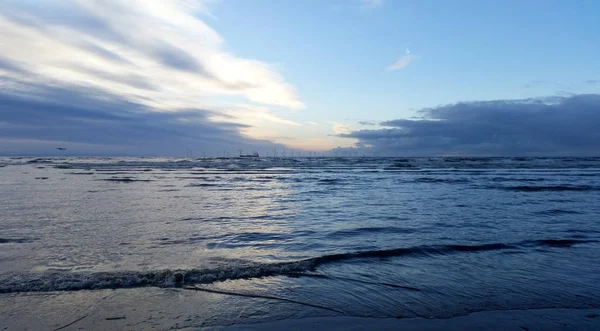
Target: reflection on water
pixel 368 237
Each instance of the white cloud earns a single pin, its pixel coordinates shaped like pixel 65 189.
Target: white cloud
pixel 252 115
pixel 158 53
pixel 340 128
pixel 402 62
pixel 262 123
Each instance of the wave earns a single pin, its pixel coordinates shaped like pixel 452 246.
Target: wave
pixel 125 180
pixel 360 231
pixel 229 165
pixel 441 180
pixel 38 160
pixel 123 172
pixel 329 181
pixel 582 231
pixel 68 281
pixel 557 188
pixel 100 191
pixel 16 240
pixel 558 242
pixel 517 179
pixel 410 251
pixel 400 166
pixel 202 185
pixel 235 240
pixel 555 212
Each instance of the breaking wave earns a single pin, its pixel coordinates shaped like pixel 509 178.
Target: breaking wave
pixel 69 281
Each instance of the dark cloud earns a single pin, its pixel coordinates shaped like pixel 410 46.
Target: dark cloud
pixel 103 52
pixel 369 123
pixel 41 14
pixel 548 126
pixel 91 122
pixel 178 59
pixel 10 66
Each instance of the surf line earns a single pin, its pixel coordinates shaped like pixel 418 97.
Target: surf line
pixel 75 321
pixel 260 296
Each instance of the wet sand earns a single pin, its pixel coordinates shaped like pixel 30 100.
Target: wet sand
pixel 168 309
pixel 519 320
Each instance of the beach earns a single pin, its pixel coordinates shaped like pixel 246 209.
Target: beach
pixel 156 309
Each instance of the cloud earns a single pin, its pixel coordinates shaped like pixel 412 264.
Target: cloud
pixel 340 128
pixel 402 62
pixel 367 123
pixel 162 41
pixel 592 82
pixel 88 121
pixel 541 126
pixel 160 57
pixel 9 66
pixel 262 123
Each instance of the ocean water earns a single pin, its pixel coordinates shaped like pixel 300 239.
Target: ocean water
pixel 377 237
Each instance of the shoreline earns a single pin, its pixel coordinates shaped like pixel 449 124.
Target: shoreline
pixel 547 319
pixel 177 309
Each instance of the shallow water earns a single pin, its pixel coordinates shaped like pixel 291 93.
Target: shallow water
pixel 363 236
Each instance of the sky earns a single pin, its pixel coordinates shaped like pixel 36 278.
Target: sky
pixel 360 77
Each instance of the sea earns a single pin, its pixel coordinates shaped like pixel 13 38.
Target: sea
pixel 365 236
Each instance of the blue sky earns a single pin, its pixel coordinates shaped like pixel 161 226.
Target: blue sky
pixel 336 52
pixel 287 74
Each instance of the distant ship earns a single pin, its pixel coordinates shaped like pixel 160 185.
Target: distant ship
pixel 250 155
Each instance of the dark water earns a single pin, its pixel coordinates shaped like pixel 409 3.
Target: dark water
pixel 364 236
